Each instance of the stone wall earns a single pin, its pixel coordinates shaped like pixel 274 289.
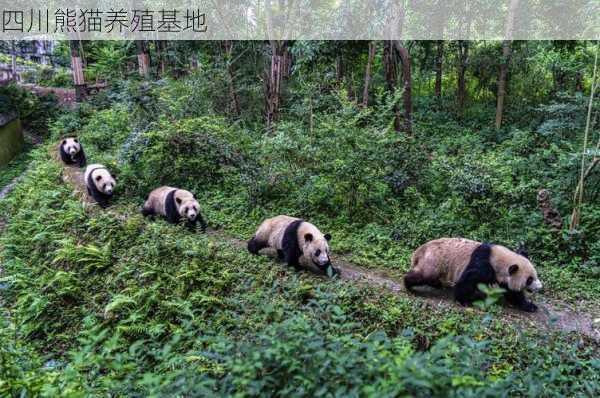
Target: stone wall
pixel 11 137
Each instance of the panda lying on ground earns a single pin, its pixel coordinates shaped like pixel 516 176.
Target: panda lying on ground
pixel 463 264
pixel 71 152
pixel 294 238
pixel 100 183
pixel 175 204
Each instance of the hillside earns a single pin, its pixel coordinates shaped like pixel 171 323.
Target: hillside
pixel 104 302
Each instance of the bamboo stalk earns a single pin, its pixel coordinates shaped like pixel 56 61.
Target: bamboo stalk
pixel 578 197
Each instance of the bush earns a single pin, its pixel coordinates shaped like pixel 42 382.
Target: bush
pixel 34 111
pixel 192 154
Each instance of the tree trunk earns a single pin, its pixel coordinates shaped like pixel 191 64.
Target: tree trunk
pixel 339 70
pixel 368 77
pixel 390 65
pixel 391 52
pixel 280 58
pixel 506 46
pixel 506 50
pixel 77 67
pixel 235 103
pixel 13 56
pixel 160 53
pixel 276 73
pixel 407 87
pixel 463 56
pixel 143 58
pixel 439 61
pixel 578 83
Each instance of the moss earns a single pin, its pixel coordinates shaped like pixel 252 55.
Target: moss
pixel 11 141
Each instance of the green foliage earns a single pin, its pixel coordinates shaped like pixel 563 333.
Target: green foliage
pixel 108 303
pixel 34 111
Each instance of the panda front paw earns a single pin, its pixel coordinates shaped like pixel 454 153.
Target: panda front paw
pixel 529 307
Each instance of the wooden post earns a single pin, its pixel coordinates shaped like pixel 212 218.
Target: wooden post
pixel 77 66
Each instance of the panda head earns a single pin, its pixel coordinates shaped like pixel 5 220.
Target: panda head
pixel 104 181
pixel 516 272
pixel 71 146
pixel 317 249
pixel 188 207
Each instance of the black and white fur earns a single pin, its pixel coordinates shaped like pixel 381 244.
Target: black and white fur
pixel 175 205
pixel 100 183
pixel 71 152
pixel 464 264
pixel 295 240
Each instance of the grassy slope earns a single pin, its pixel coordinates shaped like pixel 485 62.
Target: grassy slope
pixel 17 166
pixel 124 306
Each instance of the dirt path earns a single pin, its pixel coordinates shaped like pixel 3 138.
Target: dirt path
pixel 552 314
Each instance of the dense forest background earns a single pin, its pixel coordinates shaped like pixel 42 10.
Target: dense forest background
pixel 386 145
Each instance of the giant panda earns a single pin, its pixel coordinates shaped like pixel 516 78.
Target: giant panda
pixel 71 152
pixel 100 183
pixel 463 264
pixel 294 238
pixel 175 204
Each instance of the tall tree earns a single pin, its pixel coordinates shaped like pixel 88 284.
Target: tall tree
pixel 439 53
pixel 439 61
pixel 77 67
pixel 280 58
pixel 233 97
pixel 462 61
pixel 392 52
pixel 143 57
pixel 506 52
pixel 390 67
pixel 406 85
pixel 368 73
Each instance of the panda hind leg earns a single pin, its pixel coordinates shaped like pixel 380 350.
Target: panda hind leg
pixel 147 211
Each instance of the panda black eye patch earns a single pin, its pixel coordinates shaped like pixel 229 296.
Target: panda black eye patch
pixel 529 280
pixel 318 252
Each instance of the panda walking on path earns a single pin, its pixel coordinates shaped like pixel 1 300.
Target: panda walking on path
pixel 463 264
pixel 100 183
pixel 294 238
pixel 71 152
pixel 175 205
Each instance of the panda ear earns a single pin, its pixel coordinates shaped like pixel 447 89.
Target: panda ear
pixel 308 237
pixel 513 269
pixel 113 176
pixel 64 142
pixel 178 200
pixel 327 237
pixel 75 139
pixel 521 250
pixel 98 178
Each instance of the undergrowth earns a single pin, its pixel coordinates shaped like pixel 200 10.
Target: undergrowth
pixel 107 303
pixel 97 304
